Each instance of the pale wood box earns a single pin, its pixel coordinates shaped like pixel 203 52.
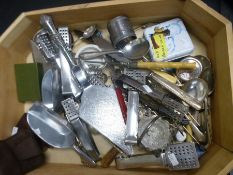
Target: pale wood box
pixel 209 27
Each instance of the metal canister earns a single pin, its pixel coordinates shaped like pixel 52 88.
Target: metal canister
pixel 121 31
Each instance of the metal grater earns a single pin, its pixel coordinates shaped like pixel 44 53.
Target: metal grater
pixel 182 156
pixel 139 75
pixel 64 31
pixel 45 45
pixel 163 110
pixel 94 80
pixel 80 128
pixel 185 154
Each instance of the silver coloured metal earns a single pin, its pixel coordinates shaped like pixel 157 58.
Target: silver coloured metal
pixel 158 136
pixel 95 80
pixel 197 88
pixel 98 63
pixel 121 31
pixel 81 76
pixel 38 57
pixel 134 50
pixel 186 75
pixel 186 156
pixel 208 76
pixel 36 53
pixel 64 31
pixel 69 85
pixel 137 74
pixel 51 89
pixel 47 22
pixel 200 136
pixel 180 156
pixel 207 72
pixel 53 129
pixel 132 118
pixel 138 161
pixel 41 120
pixel 100 109
pixel 45 45
pixel 176 91
pixel 80 128
pixel 89 32
pixel 156 94
pixel 95 35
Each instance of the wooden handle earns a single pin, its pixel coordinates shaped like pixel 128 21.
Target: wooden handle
pixel 160 65
pixel 109 157
pixel 167 76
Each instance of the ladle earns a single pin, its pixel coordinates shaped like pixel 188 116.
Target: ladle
pixel 53 129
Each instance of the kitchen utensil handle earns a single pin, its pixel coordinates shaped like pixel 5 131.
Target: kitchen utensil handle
pixel 84 155
pixel 160 65
pixel 47 23
pixel 176 91
pixel 109 157
pixel 199 135
pixel 138 161
pixel 93 55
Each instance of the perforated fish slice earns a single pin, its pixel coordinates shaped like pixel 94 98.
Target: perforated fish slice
pixel 185 154
pixel 180 156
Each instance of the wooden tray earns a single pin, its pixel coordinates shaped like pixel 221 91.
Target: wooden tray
pixel 204 23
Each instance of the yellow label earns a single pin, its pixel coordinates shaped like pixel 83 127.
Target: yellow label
pixel 161 51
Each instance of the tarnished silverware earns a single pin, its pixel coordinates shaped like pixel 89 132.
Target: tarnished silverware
pixel 176 91
pixel 80 128
pixel 177 157
pixel 158 95
pixel 51 89
pixel 132 118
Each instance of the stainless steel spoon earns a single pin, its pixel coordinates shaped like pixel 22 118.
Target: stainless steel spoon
pixel 51 89
pixel 207 73
pixel 196 88
pixel 134 50
pixel 53 129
